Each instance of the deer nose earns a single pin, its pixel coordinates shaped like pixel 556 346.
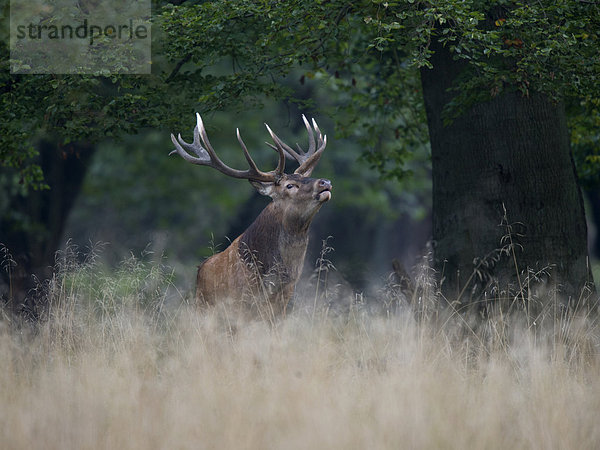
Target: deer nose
pixel 325 184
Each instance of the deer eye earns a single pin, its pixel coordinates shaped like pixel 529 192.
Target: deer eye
pixel 290 186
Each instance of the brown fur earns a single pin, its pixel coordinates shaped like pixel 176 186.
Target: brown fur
pixel 262 266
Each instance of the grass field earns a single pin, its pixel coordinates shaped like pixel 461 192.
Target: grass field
pixel 113 364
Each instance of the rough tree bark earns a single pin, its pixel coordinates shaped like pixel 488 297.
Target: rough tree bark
pixel 503 174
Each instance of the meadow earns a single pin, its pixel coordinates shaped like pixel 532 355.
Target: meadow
pixel 121 360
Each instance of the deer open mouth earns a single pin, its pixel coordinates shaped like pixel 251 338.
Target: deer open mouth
pixel 324 195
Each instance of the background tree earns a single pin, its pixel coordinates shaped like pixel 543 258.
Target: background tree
pixel 51 125
pixel 49 128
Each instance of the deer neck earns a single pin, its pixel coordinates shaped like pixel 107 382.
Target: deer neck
pixel 274 239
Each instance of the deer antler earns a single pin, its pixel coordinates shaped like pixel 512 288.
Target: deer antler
pixel 307 159
pixel 206 156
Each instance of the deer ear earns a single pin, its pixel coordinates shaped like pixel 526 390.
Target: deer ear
pixel 263 187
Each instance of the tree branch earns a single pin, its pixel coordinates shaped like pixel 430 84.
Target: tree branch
pixel 177 68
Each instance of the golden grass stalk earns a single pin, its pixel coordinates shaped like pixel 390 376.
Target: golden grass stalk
pixel 107 370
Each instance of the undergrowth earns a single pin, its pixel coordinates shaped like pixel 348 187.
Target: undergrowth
pixel 119 359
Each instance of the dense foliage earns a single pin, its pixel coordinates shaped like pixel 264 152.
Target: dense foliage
pixel 230 54
pixel 368 53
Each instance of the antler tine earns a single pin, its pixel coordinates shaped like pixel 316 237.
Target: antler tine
pixel 311 161
pixel 282 148
pixel 185 155
pixel 322 138
pixel 274 147
pixel 307 159
pixel 195 147
pixel 251 162
pixel 311 137
pixel 206 156
pixel 201 130
pixel 279 144
pixel 281 163
pixel 311 157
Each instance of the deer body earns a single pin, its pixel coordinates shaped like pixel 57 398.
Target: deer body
pixel 264 263
pixel 262 266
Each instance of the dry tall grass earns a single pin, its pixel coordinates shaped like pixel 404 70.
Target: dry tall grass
pixel 112 367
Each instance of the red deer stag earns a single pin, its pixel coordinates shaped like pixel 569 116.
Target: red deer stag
pixel 262 266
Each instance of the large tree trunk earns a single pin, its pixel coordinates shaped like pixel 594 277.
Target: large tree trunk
pixel 505 196
pixel 33 229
